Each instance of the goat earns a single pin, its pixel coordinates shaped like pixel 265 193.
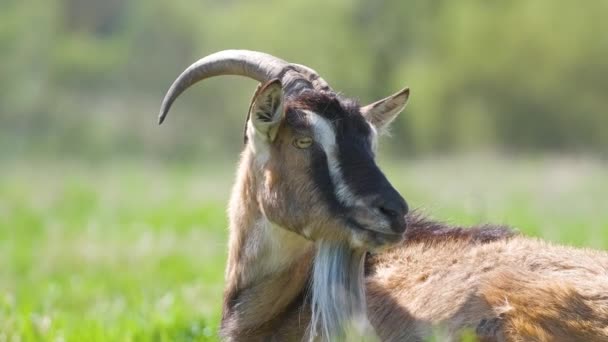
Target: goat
pixel 322 247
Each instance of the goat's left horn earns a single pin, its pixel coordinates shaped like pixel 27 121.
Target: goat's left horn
pixel 317 81
pixel 256 65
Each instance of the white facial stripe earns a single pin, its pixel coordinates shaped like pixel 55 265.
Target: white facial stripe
pixel 326 137
pixel 324 132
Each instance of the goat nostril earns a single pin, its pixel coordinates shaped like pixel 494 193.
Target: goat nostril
pixel 391 213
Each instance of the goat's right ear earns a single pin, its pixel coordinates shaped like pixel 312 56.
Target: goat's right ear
pixel 266 110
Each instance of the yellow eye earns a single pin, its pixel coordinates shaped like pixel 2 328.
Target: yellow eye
pixel 302 142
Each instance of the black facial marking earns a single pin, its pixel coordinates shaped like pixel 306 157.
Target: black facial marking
pixel 296 120
pixel 353 138
pixel 355 156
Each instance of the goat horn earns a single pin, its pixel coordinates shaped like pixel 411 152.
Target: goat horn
pixel 317 81
pixel 256 65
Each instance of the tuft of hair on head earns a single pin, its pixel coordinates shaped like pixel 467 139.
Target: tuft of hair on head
pixel 339 310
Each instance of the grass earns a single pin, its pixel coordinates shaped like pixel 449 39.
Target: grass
pixel 129 251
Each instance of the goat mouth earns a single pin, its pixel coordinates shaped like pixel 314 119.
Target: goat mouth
pixel 373 238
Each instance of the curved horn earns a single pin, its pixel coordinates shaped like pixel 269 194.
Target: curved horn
pixel 317 81
pixel 256 65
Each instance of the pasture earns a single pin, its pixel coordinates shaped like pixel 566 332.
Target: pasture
pixel 135 251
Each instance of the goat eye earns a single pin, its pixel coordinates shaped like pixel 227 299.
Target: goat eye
pixel 302 142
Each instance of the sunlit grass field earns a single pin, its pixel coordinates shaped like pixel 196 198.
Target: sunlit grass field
pixel 135 251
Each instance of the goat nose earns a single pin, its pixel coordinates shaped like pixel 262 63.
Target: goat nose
pixel 395 210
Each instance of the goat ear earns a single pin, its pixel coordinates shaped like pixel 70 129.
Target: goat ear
pixel 382 113
pixel 266 110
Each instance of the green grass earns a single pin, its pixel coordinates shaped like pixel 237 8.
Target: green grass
pixel 129 251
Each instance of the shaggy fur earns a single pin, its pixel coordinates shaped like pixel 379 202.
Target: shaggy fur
pixel 504 286
pixel 338 295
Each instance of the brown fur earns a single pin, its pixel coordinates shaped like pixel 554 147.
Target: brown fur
pixel 533 290
pixel 248 284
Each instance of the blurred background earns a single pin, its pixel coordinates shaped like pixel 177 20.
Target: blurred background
pixel 84 78
pixel 112 228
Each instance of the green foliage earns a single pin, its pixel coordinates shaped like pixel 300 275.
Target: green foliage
pixel 85 77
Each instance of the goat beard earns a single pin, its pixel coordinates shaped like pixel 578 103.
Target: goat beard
pixel 339 310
